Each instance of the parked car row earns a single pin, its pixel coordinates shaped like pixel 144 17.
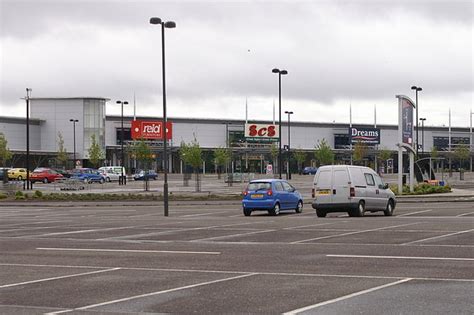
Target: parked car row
pixel 336 188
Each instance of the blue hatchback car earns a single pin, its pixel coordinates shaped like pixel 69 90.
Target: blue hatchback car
pixel 272 195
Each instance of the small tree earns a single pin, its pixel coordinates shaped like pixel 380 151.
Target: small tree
pixel 461 153
pixel 360 152
pixel 384 155
pixel 142 152
pixel 323 153
pixel 300 157
pixel 95 152
pixel 5 153
pixel 274 154
pixel 192 154
pixel 62 157
pixel 221 158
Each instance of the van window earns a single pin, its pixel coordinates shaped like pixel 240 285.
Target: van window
pixel 357 177
pixel 341 178
pixel 324 178
pixel 378 181
pixel 369 179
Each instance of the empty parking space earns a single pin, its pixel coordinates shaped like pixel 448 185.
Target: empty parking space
pixel 211 259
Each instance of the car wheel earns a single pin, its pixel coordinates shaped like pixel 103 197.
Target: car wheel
pixel 86 181
pixel 299 207
pixel 247 212
pixel 107 179
pixel 389 210
pixel 45 180
pixel 321 213
pixel 19 177
pixel 359 212
pixel 276 209
pixel 101 180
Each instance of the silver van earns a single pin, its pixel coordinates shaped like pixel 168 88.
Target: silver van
pixel 351 189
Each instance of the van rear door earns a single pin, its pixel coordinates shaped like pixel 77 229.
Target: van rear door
pixel 340 186
pixel 323 185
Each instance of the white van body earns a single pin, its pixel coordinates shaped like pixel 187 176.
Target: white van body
pixel 351 189
pixel 112 173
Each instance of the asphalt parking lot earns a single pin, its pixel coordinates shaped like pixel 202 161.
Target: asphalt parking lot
pixel 209 258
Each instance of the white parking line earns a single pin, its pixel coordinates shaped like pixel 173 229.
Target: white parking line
pixel 464 214
pixel 56 278
pixel 410 213
pixel 402 257
pixel 310 225
pixel 82 231
pixel 351 233
pixel 310 307
pixel 153 293
pixel 201 214
pixel 230 236
pixel 128 251
pixel 436 237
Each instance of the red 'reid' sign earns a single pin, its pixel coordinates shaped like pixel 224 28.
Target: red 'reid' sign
pixel 151 130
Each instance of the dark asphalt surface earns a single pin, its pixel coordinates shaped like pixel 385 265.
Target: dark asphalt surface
pixel 211 259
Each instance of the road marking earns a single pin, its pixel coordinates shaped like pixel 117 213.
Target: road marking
pixel 303 226
pixel 200 214
pixel 464 214
pixel 351 233
pixel 128 250
pixel 407 214
pixel 402 257
pixel 345 297
pixel 436 237
pixel 154 293
pixel 56 278
pixel 230 236
pixel 82 231
pixel 240 272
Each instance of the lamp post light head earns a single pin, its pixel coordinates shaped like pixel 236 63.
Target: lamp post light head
pixel 422 119
pixel 155 20
pixel 170 24
pixel 283 72
pixel 417 88
pixel 275 70
pixel 288 112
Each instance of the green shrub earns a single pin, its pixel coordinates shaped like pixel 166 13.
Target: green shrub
pixel 3 196
pixel 38 194
pixel 18 194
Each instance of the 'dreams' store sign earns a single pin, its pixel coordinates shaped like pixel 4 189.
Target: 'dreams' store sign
pixel 364 135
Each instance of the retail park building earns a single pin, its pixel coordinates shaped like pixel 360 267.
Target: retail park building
pixel 50 116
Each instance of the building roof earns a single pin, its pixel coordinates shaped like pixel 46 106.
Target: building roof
pixel 70 98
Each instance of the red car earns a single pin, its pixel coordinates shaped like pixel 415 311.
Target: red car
pixel 45 175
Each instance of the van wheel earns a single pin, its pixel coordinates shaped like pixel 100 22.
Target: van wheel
pixel 299 207
pixel 389 210
pixel 321 213
pixel 359 212
pixel 247 212
pixel 275 210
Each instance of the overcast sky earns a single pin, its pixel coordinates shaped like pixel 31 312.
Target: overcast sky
pixel 222 52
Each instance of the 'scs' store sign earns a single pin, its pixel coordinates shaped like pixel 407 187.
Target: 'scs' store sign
pixel 150 130
pixel 261 131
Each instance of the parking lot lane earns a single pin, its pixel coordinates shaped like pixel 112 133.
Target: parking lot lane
pixel 429 239
pixel 412 297
pixel 101 288
pixel 267 294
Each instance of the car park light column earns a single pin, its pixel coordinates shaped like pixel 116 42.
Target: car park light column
pixel 169 24
pixel 288 174
pixel 74 121
pixel 280 73
pixel 417 89
pixel 122 180
pixel 27 98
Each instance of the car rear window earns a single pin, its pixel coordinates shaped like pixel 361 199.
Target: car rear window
pixel 259 186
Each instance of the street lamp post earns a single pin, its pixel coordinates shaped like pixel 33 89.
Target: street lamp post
pixel 417 89
pixel 422 135
pixel 74 121
pixel 288 174
pixel 169 24
pixel 28 91
pixel 471 147
pixel 122 180
pixel 280 73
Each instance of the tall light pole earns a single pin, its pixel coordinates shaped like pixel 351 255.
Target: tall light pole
pixel 122 180
pixel 280 73
pixel 471 147
pixel 288 174
pixel 417 89
pixel 27 98
pixel 74 121
pixel 169 24
pixel 422 135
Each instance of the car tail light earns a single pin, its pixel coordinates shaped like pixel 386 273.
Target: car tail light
pixel 352 192
pixel 245 193
pixel 270 192
pixel 313 193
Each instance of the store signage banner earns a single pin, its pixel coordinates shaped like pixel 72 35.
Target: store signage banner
pixel 407 121
pixel 261 131
pixel 364 135
pixel 150 130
